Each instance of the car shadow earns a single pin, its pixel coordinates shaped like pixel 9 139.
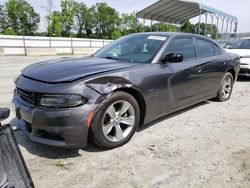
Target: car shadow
pixel 243 79
pixel 163 118
pixel 50 151
pixel 43 150
pixel 62 153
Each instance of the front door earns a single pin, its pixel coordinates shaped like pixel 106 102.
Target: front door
pixel 184 79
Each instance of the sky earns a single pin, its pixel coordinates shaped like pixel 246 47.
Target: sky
pixel 239 8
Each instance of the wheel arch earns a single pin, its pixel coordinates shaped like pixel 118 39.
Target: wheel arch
pixel 138 97
pixel 134 93
pixel 232 71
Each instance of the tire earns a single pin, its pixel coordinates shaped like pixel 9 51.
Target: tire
pixel 116 121
pixel 226 88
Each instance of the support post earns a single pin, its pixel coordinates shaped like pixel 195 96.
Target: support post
pixel 151 23
pixel 199 27
pixel 235 30
pixel 143 23
pixel 136 20
pixel 212 24
pixel 222 27
pixel 71 41
pixel 231 24
pixel 217 26
pixel 24 46
pixel 50 42
pixel 226 30
pixel 205 32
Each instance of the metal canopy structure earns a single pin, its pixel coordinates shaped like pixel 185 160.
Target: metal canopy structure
pixel 178 11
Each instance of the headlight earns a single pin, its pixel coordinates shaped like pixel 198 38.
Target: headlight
pixel 62 101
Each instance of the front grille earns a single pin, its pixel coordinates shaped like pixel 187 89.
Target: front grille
pixel 27 96
pixel 42 133
pixel 49 135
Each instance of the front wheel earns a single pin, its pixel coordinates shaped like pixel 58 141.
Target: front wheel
pixel 115 123
pixel 226 88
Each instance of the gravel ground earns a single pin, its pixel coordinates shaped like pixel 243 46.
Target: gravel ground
pixel 207 145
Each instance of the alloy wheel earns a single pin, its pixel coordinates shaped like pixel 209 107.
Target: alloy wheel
pixel 226 88
pixel 118 121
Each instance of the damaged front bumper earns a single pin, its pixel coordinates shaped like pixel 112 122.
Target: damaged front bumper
pixel 61 127
pixel 55 127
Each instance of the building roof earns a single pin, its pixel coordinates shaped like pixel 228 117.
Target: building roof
pixel 176 11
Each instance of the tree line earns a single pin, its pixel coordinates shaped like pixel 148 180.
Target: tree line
pixel 74 19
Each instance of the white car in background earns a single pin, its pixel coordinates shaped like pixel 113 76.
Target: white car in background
pixel 242 48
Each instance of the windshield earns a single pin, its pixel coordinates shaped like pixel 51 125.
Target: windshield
pixel 139 48
pixel 228 44
pixel 241 44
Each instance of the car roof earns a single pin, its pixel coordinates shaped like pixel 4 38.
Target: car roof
pixel 172 34
pixel 168 34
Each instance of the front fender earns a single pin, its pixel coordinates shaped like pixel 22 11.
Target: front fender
pixel 106 85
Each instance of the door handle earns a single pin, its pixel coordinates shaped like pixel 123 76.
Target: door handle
pixel 199 71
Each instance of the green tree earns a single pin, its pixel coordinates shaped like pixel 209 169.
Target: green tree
pixel 67 16
pixel 161 26
pixel 9 31
pixel 116 33
pixel 84 20
pixel 3 19
pixel 188 27
pixel 171 28
pixel 49 9
pixel 106 20
pixel 206 29
pixel 129 23
pixel 22 17
pixel 55 28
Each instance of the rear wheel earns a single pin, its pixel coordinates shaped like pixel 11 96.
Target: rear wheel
pixel 115 123
pixel 226 88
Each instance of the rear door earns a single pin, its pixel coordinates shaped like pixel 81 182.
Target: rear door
pixel 211 65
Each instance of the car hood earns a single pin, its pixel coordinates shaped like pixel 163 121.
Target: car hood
pixel 71 69
pixel 240 52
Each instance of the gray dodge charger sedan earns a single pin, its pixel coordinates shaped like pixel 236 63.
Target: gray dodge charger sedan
pixel 132 81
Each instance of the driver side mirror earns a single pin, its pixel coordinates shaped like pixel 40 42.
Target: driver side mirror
pixel 4 114
pixel 173 58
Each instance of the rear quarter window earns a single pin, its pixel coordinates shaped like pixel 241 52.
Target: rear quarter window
pixel 204 48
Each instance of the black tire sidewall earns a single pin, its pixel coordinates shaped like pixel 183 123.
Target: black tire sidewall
pixel 96 124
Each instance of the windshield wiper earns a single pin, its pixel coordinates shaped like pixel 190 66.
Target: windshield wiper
pixel 115 58
pixel 110 57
